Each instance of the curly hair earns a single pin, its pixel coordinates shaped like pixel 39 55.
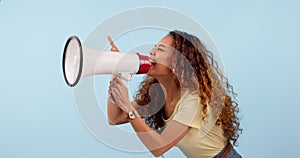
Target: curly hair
pixel 205 78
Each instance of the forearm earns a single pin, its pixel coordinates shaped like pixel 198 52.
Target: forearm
pixel 159 143
pixel 115 114
pixel 150 138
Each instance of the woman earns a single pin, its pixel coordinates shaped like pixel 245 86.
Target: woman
pixel 182 101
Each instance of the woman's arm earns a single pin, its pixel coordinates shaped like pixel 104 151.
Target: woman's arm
pixel 117 116
pixel 115 113
pixel 158 144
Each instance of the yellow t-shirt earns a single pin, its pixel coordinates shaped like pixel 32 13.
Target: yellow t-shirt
pixel 201 141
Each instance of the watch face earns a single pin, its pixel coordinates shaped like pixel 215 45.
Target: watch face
pixel 131 114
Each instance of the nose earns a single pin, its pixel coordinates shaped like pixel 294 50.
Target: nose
pixel 152 52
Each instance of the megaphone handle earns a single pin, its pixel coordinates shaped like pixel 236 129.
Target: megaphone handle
pixel 125 78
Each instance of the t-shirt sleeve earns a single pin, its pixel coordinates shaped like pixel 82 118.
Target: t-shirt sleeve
pixel 189 111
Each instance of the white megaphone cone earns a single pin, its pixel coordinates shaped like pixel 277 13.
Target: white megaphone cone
pixel 79 61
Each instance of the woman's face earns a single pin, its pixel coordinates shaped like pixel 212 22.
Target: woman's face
pixel 161 57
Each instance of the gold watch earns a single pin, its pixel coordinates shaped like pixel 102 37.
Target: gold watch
pixel 132 114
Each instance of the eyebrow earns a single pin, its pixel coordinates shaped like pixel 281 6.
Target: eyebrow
pixel 160 45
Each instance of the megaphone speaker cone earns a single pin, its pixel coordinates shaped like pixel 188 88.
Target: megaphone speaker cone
pixel 72 61
pixel 79 62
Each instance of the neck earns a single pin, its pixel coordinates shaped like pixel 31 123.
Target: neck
pixel 171 90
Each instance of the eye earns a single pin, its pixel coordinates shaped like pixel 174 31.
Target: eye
pixel 159 49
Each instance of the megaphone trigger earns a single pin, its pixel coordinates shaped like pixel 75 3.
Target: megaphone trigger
pixel 125 76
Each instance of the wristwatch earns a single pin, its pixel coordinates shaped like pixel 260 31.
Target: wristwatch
pixel 133 114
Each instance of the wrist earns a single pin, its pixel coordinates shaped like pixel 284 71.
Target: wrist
pixel 133 114
pixel 129 107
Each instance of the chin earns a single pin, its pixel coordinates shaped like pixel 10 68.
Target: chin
pixel 150 74
pixel 158 72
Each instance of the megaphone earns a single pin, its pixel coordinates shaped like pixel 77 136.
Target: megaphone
pixel 79 61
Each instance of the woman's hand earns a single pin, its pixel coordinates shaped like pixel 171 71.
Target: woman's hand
pixel 119 92
pixel 115 114
pixel 114 48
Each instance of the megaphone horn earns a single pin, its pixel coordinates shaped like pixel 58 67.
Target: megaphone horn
pixel 79 61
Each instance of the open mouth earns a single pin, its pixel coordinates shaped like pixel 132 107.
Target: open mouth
pixel 153 62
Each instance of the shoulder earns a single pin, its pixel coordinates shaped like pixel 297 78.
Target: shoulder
pixel 189 100
pixel 189 110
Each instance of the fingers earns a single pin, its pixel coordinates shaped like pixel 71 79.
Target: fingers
pixel 119 80
pixel 110 90
pixel 113 91
pixel 113 78
pixel 116 77
pixel 113 84
pixel 113 46
pixel 116 86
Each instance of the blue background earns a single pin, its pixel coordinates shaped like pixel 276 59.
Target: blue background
pixel 259 42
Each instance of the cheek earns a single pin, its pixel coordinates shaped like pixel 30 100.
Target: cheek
pixel 162 69
pixel 159 70
pixel 165 61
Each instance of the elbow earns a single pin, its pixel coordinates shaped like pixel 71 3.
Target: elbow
pixel 116 121
pixel 159 148
pixel 112 122
pixel 157 153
